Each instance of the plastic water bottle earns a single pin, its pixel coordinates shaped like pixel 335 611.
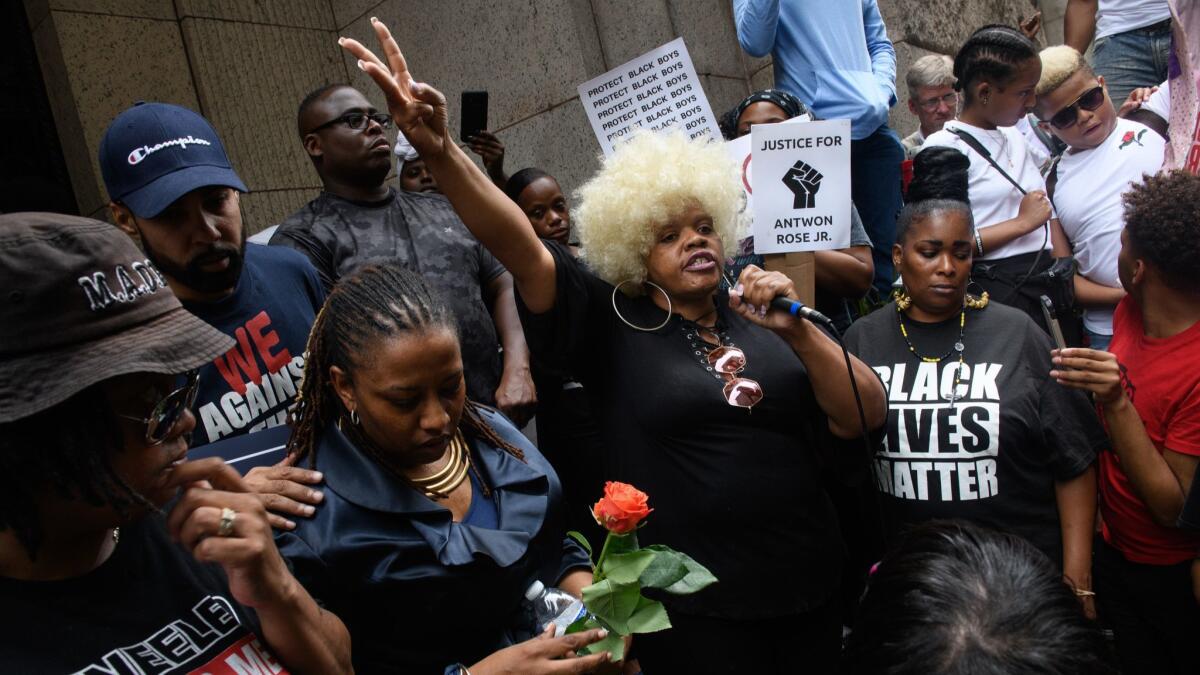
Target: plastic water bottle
pixel 554 605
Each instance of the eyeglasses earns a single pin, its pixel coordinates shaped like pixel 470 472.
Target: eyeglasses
pixel 739 391
pixel 931 104
pixel 167 412
pixel 1089 100
pixel 357 121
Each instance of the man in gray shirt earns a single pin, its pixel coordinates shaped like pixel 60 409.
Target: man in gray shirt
pixel 358 217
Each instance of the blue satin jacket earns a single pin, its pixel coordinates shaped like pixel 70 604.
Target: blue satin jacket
pixel 416 590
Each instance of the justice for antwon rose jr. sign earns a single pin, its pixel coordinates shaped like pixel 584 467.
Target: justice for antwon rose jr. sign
pixel 801 185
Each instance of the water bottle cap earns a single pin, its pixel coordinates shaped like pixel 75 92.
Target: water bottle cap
pixel 535 589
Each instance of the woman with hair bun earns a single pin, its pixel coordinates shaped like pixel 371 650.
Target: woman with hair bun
pixel 976 427
pixel 711 402
pixel 1017 236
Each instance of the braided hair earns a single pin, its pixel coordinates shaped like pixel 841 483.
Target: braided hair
pixel 992 53
pixel 939 184
pixel 379 300
pixel 67 449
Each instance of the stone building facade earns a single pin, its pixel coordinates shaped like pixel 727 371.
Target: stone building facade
pixel 245 64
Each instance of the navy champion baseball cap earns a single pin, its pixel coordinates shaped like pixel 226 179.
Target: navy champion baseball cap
pixel 154 153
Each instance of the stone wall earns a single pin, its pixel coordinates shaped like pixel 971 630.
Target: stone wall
pixel 921 27
pixel 246 64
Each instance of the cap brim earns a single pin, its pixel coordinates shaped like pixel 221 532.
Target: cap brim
pixel 174 342
pixel 154 197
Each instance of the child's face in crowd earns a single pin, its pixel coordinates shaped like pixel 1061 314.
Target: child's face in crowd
pixel 1008 103
pixel 409 394
pixel 546 207
pixel 935 262
pixel 415 177
pixel 686 256
pixel 1090 127
pixel 762 112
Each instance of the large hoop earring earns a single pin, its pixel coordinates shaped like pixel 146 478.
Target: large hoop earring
pixel 626 321
pixel 354 417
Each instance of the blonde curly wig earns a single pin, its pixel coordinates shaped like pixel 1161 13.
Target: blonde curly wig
pixel 644 183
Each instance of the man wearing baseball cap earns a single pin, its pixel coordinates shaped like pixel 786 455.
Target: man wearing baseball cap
pixel 98 366
pixel 172 187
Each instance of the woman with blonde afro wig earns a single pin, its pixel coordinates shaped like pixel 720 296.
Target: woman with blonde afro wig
pixel 709 401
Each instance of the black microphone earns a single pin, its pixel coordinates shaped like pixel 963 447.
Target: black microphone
pixel 797 308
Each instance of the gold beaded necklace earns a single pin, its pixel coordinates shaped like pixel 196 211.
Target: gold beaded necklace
pixel 957 347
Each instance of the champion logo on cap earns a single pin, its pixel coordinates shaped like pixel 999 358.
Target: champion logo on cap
pixel 145 151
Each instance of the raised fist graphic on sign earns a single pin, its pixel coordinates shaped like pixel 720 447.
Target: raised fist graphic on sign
pixel 804 182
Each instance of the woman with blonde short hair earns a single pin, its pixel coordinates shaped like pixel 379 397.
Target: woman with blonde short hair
pixel 713 403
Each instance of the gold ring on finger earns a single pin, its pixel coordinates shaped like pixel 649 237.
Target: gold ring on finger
pixel 225 527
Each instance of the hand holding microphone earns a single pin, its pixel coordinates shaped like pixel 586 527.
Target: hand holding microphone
pixel 758 291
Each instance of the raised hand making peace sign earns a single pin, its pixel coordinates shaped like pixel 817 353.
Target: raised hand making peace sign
pixel 417 109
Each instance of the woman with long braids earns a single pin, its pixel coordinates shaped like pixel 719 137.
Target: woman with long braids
pixel 976 427
pixel 438 514
pixel 711 402
pixel 1017 237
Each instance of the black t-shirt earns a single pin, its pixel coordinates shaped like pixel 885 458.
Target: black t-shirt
pixel 269 314
pixel 422 231
pixel 737 490
pixel 149 608
pixel 994 453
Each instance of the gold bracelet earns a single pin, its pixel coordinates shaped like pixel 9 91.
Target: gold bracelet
pixel 1083 593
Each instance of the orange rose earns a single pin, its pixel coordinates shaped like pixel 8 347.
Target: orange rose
pixel 621 509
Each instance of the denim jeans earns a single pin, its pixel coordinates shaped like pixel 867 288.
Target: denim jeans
pixel 1136 58
pixel 1098 341
pixel 875 189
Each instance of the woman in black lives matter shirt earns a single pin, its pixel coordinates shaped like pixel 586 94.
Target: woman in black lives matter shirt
pixel 976 428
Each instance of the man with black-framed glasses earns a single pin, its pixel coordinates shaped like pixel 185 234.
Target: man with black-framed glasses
pixel 359 216
pixel 1106 155
pixel 173 188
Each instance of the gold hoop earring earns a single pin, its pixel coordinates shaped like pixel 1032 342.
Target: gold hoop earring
pixel 902 298
pixel 626 321
pixel 976 302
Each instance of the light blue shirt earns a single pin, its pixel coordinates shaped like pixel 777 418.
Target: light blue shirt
pixel 834 55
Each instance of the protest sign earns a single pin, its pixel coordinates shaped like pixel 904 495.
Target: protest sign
pixel 801 186
pixel 739 150
pixel 657 90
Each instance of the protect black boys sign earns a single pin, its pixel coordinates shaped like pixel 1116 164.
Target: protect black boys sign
pixel 801 183
pixel 657 90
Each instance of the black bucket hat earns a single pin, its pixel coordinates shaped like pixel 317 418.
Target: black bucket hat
pixel 81 304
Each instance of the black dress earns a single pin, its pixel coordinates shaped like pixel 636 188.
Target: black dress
pixel 737 490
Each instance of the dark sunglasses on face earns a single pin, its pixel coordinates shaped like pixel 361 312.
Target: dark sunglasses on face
pixel 357 121
pixel 1089 100
pixel 168 411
